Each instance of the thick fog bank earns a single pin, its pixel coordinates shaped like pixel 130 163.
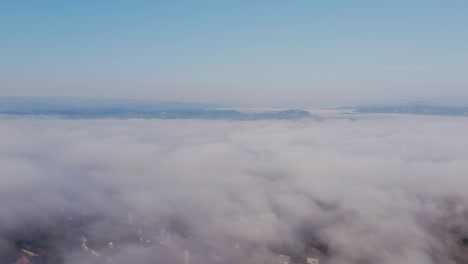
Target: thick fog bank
pixel 373 190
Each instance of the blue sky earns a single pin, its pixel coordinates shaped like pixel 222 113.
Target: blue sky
pixel 235 50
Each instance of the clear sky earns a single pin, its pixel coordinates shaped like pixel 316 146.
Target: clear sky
pixel 235 50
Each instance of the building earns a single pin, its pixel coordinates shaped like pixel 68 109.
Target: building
pixel 31 250
pixel 284 259
pixel 186 257
pixel 22 260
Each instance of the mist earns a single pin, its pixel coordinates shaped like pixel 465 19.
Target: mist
pixel 377 189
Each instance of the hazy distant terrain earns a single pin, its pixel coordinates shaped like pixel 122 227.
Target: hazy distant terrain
pixel 124 108
pixel 415 109
pixel 85 108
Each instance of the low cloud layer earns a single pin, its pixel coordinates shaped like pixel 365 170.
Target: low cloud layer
pixel 373 190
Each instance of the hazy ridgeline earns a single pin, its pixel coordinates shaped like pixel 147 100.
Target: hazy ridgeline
pixel 372 190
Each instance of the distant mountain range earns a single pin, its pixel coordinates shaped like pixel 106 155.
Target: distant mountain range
pixel 414 108
pixel 81 108
pixel 65 107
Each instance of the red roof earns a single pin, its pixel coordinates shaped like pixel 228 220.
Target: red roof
pixel 22 260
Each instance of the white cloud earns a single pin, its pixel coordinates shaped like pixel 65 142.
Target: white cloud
pixel 375 190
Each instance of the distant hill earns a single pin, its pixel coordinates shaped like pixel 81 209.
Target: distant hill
pixel 413 108
pixel 123 108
